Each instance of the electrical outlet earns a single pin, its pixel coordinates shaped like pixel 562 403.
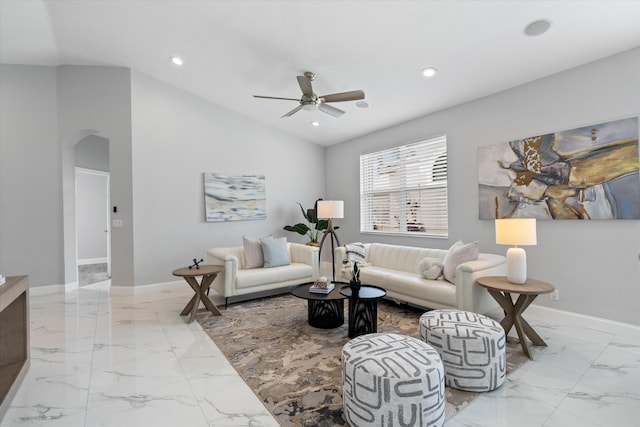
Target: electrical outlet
pixel 555 295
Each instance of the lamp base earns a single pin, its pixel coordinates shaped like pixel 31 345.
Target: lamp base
pixel 516 266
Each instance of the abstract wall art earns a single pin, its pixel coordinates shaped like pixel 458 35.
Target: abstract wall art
pixel 590 172
pixel 234 197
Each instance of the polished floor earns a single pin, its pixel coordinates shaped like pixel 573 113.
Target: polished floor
pixel 109 357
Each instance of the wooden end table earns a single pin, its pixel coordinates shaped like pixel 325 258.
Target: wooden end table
pixel 208 273
pixel 501 290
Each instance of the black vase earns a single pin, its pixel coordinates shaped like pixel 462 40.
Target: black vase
pixel 355 287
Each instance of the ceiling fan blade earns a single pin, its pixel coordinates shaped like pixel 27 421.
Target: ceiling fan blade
pixel 305 86
pixel 344 96
pixel 275 97
pixel 333 111
pixel 292 112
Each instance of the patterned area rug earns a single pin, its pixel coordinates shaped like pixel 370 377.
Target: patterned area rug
pixel 296 369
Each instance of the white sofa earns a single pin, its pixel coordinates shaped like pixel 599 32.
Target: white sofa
pixel 236 280
pixel 395 269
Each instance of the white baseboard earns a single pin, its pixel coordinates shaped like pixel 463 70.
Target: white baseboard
pixel 584 321
pixel 88 261
pixel 47 290
pixel 142 289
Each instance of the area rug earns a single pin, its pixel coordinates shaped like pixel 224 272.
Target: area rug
pixel 294 368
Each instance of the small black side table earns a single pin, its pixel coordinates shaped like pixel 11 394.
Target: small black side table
pixel 363 309
pixel 325 311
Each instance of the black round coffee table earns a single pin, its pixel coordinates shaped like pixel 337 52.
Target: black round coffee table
pixel 363 309
pixel 325 311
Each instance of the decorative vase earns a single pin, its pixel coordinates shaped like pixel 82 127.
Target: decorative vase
pixel 355 287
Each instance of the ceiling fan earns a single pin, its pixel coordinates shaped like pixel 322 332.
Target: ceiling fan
pixel 311 101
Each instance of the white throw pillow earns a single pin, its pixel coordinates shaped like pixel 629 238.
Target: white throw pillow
pixel 430 268
pixel 457 254
pixel 275 252
pixel 252 252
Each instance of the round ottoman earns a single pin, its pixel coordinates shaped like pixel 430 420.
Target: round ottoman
pixel 472 347
pixel 392 380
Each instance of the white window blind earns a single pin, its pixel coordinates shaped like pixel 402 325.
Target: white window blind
pixel 404 189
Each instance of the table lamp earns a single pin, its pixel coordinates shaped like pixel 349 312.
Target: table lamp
pixel 516 231
pixel 330 209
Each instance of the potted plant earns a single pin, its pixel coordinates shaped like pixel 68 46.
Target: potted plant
pixel 313 231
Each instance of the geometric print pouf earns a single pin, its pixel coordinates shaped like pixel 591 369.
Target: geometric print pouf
pixel 392 380
pixel 472 348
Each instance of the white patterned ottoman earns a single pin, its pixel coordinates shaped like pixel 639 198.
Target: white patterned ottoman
pixel 392 380
pixel 472 347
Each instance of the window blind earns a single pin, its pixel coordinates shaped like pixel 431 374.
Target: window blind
pixel 404 189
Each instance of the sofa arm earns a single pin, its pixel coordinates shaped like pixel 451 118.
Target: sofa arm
pixel 470 296
pixel 305 254
pixel 224 282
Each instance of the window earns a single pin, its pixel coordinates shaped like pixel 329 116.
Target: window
pixel 404 189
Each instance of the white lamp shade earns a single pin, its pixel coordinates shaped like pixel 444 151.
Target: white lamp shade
pixel 330 209
pixel 516 231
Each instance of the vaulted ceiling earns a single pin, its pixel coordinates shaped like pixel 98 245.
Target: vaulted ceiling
pixel 233 50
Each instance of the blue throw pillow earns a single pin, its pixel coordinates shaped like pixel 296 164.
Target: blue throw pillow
pixel 275 252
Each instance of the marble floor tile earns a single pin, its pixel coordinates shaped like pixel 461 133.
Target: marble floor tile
pixel 103 356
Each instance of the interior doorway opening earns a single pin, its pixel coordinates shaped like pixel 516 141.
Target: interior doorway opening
pixel 92 194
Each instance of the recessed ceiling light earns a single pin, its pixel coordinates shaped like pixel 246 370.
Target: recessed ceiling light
pixel 429 72
pixel 314 123
pixel 537 27
pixel 362 104
pixel 176 60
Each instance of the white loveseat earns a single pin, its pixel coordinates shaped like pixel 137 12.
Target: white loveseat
pixel 237 280
pixel 396 269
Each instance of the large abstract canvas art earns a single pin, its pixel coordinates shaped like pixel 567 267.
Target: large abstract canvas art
pixel 234 197
pixel 590 172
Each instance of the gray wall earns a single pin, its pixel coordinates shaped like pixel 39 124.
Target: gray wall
pixel 30 204
pixel 178 136
pixel 162 140
pixel 46 111
pixel 97 100
pixel 594 264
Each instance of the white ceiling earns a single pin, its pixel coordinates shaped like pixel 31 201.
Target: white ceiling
pixel 235 49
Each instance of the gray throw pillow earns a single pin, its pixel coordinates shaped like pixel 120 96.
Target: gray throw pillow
pixel 275 252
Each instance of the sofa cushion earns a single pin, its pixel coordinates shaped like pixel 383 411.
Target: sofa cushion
pixel 410 284
pixel 256 277
pixel 458 253
pixel 252 252
pixel 294 271
pixel 403 258
pixel 275 252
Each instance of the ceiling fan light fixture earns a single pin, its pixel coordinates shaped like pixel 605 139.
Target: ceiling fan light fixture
pixel 309 107
pixel 429 71
pixel 176 60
